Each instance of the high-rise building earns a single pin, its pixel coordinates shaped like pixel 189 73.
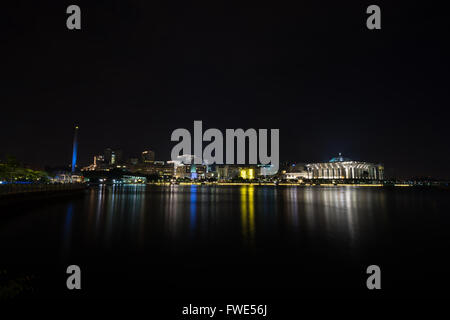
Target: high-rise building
pixel 112 156
pixel 99 159
pixel 108 155
pixel 148 156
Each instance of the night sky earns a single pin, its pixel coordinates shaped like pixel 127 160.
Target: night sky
pixel 140 69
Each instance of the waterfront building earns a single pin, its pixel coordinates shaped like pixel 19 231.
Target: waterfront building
pixel 295 171
pixel 185 167
pixel 159 168
pixel 266 170
pixel 183 171
pixel 190 171
pixel 66 177
pixel 344 168
pixel 234 171
pixel 211 171
pixel 247 173
pixel 165 169
pixel 127 179
pixel 227 172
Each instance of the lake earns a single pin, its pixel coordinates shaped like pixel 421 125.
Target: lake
pixel 213 242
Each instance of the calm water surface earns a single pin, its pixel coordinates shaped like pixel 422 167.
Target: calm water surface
pixel 217 241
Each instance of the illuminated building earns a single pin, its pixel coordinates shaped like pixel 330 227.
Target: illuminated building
pixel 191 171
pixel 98 160
pixel 133 179
pixel 344 168
pixel 148 156
pixel 112 156
pixel 266 170
pixel 247 173
pixel 227 172
pixel 211 171
pixel 295 171
pixel 99 164
pixel 111 159
pixel 183 171
pixel 159 168
pixel 233 171
pixel 63 177
pixel 185 167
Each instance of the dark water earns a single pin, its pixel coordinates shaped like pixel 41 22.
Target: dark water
pixel 217 242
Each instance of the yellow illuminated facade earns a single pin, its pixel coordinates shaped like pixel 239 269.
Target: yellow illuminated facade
pixel 247 173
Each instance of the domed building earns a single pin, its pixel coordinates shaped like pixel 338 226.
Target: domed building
pixel 345 168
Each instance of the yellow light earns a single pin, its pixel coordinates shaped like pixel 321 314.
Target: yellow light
pixel 251 174
pixel 247 173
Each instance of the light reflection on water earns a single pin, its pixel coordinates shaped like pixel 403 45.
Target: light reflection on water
pixel 193 207
pixel 67 232
pixel 248 214
pixel 292 237
pixel 137 215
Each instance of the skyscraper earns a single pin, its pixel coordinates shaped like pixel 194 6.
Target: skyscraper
pixel 112 156
pixel 148 156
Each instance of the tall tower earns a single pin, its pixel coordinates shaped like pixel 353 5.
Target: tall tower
pixel 75 149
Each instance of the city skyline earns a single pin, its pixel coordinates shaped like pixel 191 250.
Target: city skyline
pixel 377 95
pixel 136 157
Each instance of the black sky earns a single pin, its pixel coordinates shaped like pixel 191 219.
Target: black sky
pixel 140 69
